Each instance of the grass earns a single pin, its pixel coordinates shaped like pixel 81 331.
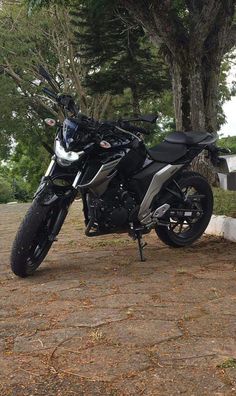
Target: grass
pixel 228 363
pixel 225 202
pixel 110 242
pixel 96 335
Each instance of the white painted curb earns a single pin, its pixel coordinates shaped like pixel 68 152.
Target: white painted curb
pixel 222 226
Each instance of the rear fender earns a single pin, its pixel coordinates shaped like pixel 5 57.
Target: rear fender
pixel 219 162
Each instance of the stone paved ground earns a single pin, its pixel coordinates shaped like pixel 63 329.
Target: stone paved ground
pixel 95 321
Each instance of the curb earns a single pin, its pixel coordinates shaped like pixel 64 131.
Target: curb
pixel 222 226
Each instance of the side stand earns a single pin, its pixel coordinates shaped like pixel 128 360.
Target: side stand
pixel 141 245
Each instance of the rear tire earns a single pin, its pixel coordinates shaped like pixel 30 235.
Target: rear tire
pixel 31 243
pixel 186 238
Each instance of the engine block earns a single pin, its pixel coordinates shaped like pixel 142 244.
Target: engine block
pixel 112 209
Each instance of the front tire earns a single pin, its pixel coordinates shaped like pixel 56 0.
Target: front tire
pixel 32 241
pixel 185 233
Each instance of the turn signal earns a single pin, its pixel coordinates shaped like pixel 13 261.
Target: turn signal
pixel 104 144
pixel 50 122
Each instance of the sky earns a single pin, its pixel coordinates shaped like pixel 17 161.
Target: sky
pixel 229 128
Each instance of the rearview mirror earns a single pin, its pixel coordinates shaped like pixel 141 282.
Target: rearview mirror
pixel 152 118
pixel 44 73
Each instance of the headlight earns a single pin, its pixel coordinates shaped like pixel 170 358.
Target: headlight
pixel 65 158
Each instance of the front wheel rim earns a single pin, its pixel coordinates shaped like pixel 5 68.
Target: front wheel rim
pixel 41 242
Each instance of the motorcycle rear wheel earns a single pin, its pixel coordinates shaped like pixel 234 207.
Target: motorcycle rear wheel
pixel 32 242
pixel 183 232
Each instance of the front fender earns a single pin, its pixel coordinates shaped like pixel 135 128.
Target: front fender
pixel 46 193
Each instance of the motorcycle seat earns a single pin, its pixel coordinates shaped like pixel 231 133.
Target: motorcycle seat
pixel 167 152
pixel 189 138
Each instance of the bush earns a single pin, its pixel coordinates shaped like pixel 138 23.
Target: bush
pixel 228 142
pixel 21 190
pixel 6 193
pixel 225 202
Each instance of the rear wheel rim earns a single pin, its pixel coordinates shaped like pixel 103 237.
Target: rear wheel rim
pixel 185 227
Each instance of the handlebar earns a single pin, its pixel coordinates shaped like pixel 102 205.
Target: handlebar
pixel 124 125
pixel 133 128
pixel 67 102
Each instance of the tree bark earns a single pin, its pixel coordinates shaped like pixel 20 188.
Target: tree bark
pixel 197 108
pixel 212 77
pixel 177 95
pixel 194 54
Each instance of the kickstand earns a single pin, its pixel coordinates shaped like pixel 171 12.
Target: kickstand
pixel 141 245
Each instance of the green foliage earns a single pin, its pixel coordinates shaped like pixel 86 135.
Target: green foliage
pixel 6 191
pixel 27 168
pixel 228 363
pixel 118 55
pixel 224 202
pixel 22 107
pixel 37 4
pixel 228 142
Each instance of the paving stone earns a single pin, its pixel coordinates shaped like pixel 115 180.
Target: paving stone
pixel 231 374
pixel 92 317
pixel 168 311
pixel 2 345
pixel 212 326
pixel 102 362
pixel 222 306
pixel 179 381
pixel 197 291
pixel 16 326
pixel 46 339
pixel 55 286
pixel 122 300
pixel 141 332
pixel 195 351
pixel 94 320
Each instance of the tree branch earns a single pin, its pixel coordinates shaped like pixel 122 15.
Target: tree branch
pixel 231 42
pixel 19 82
pixel 159 19
pixel 202 24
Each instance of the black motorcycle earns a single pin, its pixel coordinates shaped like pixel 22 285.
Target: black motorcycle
pixel 124 187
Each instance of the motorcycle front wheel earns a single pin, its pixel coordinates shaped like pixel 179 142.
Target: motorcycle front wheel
pixel 32 241
pixel 184 230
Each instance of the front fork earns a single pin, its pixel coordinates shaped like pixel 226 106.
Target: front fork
pixel 48 194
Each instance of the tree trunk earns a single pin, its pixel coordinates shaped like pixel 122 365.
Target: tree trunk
pixel 180 88
pixel 194 48
pixel 195 103
pixel 197 107
pixel 211 94
pixel 177 95
pixel 195 85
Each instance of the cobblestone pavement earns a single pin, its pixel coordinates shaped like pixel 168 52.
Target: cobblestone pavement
pixel 95 321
